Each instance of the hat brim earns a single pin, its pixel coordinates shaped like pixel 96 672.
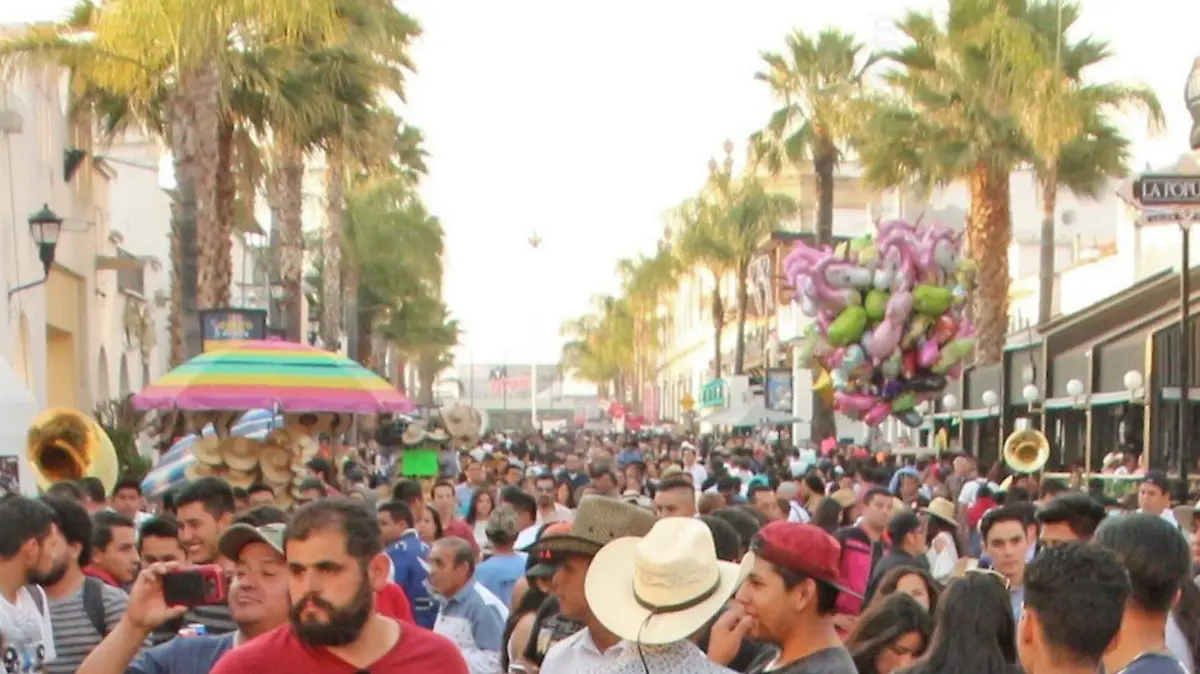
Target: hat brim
pixel 237 537
pixel 931 513
pixel 608 588
pixel 565 544
pixel 541 570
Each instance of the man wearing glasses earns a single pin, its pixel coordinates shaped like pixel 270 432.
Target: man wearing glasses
pixel 549 510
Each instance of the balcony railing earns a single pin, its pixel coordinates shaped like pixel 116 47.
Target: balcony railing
pixel 133 279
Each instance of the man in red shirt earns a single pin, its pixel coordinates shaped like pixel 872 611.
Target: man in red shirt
pixel 445 501
pixel 335 559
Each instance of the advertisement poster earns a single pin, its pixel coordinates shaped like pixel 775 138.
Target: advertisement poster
pixel 231 325
pixel 779 389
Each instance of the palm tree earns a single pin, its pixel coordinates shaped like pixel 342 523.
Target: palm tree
pixel 645 282
pixel 599 347
pixel 753 215
pixel 952 118
pixel 703 244
pixel 818 84
pixel 1071 140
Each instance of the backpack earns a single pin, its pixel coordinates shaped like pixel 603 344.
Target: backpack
pixel 854 569
pixel 93 603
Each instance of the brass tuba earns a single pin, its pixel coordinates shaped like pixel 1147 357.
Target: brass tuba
pixel 1026 451
pixel 68 445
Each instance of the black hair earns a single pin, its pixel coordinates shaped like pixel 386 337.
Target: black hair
pixel 676 482
pixel 158 527
pixel 725 538
pixel 258 488
pixel 1154 554
pixel 352 519
pixel 22 519
pixel 475 496
pixel 745 525
pixel 828 515
pixel 974 629
pixel 438 530
pixel 65 489
pixel 212 492
pixel 441 483
pixel 318 464
pixel 521 501
pixel 757 514
pixel 902 524
pixel 600 469
pixel 261 516
pixel 891 579
pixel 312 484
pixel 814 482
pixel 884 623
pixel 92 488
pixel 1051 487
pixel 544 475
pixel 127 483
pixel 103 524
pixel 408 491
pixel 530 602
pixel 399 512
pixel 1078 593
pixel 1080 512
pixel 876 491
pixel 240 494
pixel 827 595
pixel 74 523
pixel 1006 513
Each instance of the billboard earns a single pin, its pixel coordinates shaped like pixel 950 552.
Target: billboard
pixel 231 325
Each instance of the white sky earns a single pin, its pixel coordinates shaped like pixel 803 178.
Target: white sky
pixel 586 121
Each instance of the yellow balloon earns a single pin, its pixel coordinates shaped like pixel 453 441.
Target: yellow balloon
pixel 824 387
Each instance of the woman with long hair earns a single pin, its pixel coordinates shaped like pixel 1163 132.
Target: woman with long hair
pixel 945 544
pixel 974 630
pixel 519 627
pixel 829 515
pixel 483 502
pixel 429 525
pixel 890 635
pixel 914 582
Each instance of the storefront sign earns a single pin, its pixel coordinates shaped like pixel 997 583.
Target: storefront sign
pixel 231 325
pixel 1167 190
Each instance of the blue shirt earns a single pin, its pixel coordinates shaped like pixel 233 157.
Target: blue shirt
pixel 183 655
pixel 463 493
pixel 411 573
pixel 474 620
pixel 499 573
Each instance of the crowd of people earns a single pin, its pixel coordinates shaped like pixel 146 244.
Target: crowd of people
pixel 585 554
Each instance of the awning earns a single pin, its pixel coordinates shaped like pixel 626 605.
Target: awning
pixel 746 416
pixel 20 407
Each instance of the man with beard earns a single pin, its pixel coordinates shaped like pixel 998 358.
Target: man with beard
pixel 257 600
pixel 548 509
pixel 335 557
pixel 31 547
pixel 82 609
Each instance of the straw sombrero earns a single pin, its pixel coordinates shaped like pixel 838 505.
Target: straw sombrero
pixel 942 509
pixel 845 498
pixel 239 478
pixel 413 434
pixel 240 453
pixel 197 470
pixel 276 465
pixel 437 435
pixel 207 451
pixel 673 586
pixel 598 521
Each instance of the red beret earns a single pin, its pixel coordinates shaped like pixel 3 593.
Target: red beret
pixel 804 549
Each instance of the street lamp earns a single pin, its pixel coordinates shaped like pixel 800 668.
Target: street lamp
pixel 44 228
pixel 1075 390
pixel 990 400
pixel 950 402
pixel 1030 395
pixel 535 242
pixel 1133 383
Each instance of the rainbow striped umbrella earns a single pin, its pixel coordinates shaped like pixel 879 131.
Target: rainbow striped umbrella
pixel 272 374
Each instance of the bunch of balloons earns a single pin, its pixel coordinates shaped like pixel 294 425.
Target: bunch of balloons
pixel 888 325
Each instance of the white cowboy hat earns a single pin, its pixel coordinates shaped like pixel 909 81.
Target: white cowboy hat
pixel 674 585
pixel 413 434
pixel 942 509
pixel 240 453
pixel 207 451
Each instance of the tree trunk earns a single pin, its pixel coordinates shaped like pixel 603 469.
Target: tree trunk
pixel 718 318
pixel 989 233
pixel 289 177
pixel 206 86
pixel 1048 245
pixel 331 292
pixel 743 297
pixel 401 382
pixel 226 186
pixel 427 372
pixel 823 424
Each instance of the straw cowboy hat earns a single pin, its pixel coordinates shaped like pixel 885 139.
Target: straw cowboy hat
pixel 276 465
pixel 674 585
pixel 845 498
pixel 240 453
pixel 413 434
pixel 207 451
pixel 240 478
pixel 942 509
pixel 599 520
pixel 197 470
pixel 437 435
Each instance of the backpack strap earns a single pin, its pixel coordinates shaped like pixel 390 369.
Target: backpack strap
pixel 39 598
pixel 93 604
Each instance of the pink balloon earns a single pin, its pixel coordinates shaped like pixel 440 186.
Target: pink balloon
pixel 878 413
pixel 928 353
pixel 859 402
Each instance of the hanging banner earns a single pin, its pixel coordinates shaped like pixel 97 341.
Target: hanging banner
pixel 231 325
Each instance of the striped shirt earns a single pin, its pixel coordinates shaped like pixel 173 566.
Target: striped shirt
pixel 216 619
pixel 74 634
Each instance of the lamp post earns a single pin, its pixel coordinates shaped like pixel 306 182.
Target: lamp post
pixel 535 242
pixel 44 228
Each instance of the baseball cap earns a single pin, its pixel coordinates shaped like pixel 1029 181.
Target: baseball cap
pixel 543 562
pixel 804 549
pixel 238 536
pixel 1157 478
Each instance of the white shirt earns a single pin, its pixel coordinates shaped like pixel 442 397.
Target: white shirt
pixel 1168 514
pixel 578 654
pixel 28 636
pixel 699 474
pixel 527 537
pixel 681 657
pixel 561 514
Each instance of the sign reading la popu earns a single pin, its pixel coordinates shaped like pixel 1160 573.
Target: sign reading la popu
pixel 1167 190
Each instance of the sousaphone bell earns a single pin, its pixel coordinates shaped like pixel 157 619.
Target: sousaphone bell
pixel 1026 451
